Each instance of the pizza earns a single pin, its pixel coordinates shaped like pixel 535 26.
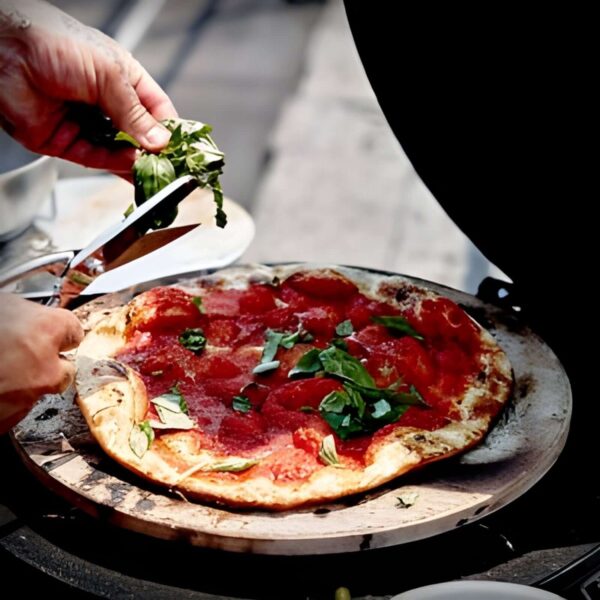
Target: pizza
pixel 278 387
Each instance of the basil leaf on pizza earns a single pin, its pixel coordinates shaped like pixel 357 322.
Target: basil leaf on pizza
pixel 253 394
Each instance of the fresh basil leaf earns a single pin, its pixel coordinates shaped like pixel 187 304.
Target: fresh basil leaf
pixel 344 411
pixel 265 367
pixel 328 452
pixel 172 400
pixel 339 343
pixel 197 302
pixel 343 365
pixel 309 363
pixel 345 328
pixel 398 325
pixel 391 394
pixel 334 402
pixel 171 420
pixel 381 409
pixel 151 173
pixel 272 340
pixel 356 401
pixel 140 438
pixel 121 136
pixel 231 465
pixel 345 426
pixel 290 340
pixel 193 339
pixel 241 404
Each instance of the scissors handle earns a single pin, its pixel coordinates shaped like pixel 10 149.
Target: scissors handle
pixel 54 263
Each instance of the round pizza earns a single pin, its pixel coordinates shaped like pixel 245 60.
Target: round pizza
pixel 277 387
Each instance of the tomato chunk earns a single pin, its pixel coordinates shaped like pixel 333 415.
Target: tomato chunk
pixel 324 284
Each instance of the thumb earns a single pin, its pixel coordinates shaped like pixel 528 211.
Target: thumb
pixel 122 104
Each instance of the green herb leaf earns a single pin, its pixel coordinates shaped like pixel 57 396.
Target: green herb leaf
pixel 272 340
pixel 197 302
pixel 151 173
pixel 398 325
pixel 345 328
pixel 191 151
pixel 339 343
pixel 171 420
pixel 381 409
pixel 125 137
pixel 140 438
pixel 265 367
pixel 407 499
pixel 241 404
pixel 309 363
pixel 231 465
pixel 345 366
pixel 328 452
pixel 173 400
pixel 344 411
pixel 193 339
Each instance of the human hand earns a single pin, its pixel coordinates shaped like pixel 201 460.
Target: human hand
pixel 49 60
pixel 31 337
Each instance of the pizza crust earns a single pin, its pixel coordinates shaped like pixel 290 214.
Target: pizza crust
pixel 113 400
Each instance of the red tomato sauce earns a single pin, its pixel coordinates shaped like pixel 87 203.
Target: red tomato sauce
pixel 283 414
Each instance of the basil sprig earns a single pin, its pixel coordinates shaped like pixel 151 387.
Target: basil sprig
pixel 361 406
pixel 190 151
pixel 398 325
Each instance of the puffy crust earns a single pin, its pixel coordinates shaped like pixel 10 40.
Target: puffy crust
pixel 113 400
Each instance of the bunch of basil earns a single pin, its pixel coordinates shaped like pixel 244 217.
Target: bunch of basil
pixel 190 151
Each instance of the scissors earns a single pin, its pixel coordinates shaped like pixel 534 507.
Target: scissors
pixel 119 244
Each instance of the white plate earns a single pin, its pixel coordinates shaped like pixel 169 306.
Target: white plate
pixel 85 206
pixel 476 590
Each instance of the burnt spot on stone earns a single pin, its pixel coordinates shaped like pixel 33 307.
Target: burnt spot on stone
pixel 366 541
pixel 481 509
pixel 525 385
pixel 462 522
pixel 118 491
pixel 94 479
pixel 47 414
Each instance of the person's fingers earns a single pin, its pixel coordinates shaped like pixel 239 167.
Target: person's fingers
pixel 71 331
pixel 121 103
pixel 153 97
pixel 67 376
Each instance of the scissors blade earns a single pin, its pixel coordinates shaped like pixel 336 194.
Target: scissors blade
pixel 127 231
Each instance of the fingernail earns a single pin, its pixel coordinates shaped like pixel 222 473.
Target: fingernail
pixel 158 136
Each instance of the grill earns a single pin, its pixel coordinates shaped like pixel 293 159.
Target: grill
pixel 547 536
